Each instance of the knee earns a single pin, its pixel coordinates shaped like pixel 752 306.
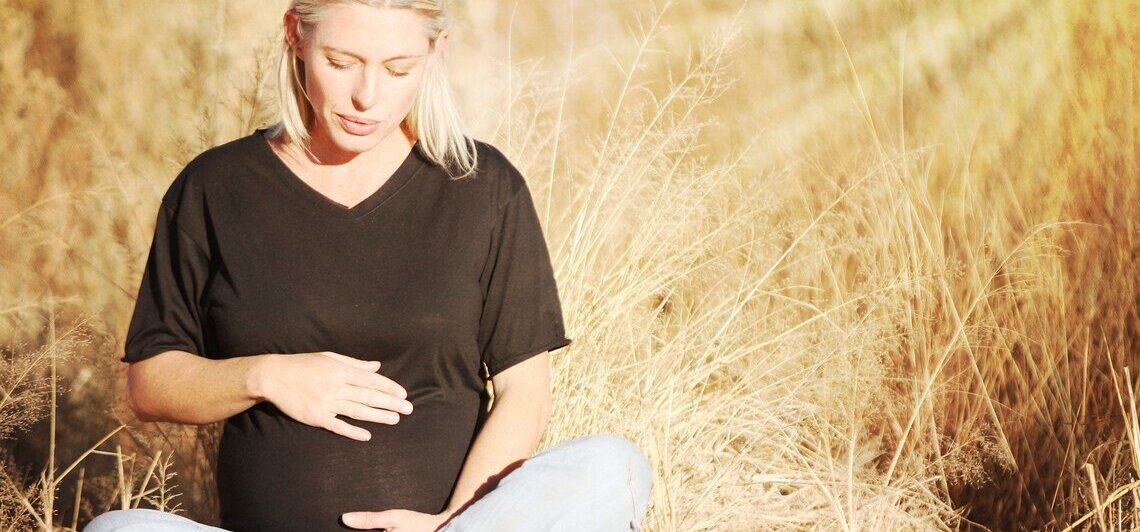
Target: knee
pixel 111 521
pixel 137 520
pixel 614 459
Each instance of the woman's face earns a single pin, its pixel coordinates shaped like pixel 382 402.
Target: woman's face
pixel 363 68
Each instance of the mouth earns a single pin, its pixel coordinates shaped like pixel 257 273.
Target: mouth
pixel 356 125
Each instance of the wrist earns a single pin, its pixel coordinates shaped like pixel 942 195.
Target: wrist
pixel 445 517
pixel 448 513
pixel 257 380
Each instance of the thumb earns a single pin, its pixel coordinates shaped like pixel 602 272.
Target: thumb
pixel 366 365
pixel 368 520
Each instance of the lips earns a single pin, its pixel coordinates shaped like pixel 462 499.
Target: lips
pixel 356 125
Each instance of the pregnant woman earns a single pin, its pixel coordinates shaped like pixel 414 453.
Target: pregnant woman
pixel 339 288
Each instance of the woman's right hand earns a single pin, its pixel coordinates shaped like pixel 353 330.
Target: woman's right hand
pixel 314 388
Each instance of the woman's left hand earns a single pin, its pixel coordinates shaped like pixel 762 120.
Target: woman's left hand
pixel 395 521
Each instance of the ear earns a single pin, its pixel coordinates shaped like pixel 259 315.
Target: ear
pixel 292 24
pixel 440 44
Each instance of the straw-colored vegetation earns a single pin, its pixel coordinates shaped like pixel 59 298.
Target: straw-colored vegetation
pixel 832 264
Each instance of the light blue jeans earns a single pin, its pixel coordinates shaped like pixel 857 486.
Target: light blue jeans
pixel 595 483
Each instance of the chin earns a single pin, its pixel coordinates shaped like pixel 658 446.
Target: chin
pixel 360 143
pixel 355 144
pixel 345 142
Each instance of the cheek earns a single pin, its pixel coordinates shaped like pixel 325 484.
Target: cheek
pixel 408 91
pixel 315 86
pixel 324 87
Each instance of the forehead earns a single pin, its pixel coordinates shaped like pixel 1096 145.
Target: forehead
pixel 374 32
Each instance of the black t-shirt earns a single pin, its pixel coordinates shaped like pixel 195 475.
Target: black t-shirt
pixel 445 281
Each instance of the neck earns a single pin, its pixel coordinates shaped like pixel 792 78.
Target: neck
pixel 325 159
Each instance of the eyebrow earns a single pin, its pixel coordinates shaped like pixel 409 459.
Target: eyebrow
pixel 362 60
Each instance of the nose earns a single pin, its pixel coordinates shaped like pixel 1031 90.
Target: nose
pixel 366 93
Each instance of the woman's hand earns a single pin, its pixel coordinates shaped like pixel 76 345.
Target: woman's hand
pixel 395 521
pixel 314 388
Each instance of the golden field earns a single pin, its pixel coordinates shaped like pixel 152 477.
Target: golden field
pixel 839 265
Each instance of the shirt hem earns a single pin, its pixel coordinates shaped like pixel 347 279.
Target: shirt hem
pixel 153 352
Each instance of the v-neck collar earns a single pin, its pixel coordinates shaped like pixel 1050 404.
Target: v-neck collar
pixel 408 168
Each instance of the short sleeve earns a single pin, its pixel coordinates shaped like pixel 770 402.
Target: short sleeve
pixel 167 315
pixel 522 314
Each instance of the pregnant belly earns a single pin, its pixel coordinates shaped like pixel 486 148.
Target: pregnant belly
pixel 278 474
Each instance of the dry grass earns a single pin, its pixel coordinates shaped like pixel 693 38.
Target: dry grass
pixel 834 265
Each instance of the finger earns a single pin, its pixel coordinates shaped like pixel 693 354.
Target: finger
pixel 369 520
pixel 370 366
pixel 346 429
pixel 377 399
pixel 364 413
pixel 379 382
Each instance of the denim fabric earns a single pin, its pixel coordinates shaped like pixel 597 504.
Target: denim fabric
pixel 593 484
pixel 145 520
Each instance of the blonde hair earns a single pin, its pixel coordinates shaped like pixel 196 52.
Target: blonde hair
pixel 433 118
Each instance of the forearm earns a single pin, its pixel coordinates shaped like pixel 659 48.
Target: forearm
pixel 183 387
pixel 512 431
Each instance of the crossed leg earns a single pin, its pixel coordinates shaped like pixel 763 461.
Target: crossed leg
pixel 593 484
